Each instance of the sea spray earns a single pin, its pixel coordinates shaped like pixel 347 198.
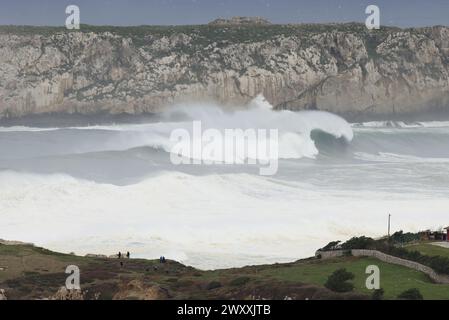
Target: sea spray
pixel 234 146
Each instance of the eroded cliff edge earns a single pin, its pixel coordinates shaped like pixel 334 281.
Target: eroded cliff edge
pixel 342 68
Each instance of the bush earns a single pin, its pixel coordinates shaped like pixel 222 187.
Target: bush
pixel 378 294
pixel 401 237
pixel 347 253
pixel 240 281
pixel 359 243
pixel 439 264
pixel 338 281
pixel 331 246
pixel 411 294
pixel 213 285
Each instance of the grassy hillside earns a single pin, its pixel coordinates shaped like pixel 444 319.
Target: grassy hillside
pixel 394 279
pixel 429 249
pixel 31 272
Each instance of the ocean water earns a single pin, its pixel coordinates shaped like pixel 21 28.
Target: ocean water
pixel 109 188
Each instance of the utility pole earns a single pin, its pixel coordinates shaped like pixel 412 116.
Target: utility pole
pixel 389 218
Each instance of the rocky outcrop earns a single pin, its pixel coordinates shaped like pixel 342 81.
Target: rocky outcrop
pixel 343 68
pixel 137 290
pixel 65 294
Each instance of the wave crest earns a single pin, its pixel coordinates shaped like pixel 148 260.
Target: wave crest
pixel 294 128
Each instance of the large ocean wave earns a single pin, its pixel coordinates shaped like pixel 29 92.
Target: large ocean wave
pixel 294 128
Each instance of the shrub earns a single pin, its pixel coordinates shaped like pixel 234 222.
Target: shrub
pixel 347 253
pixel 213 285
pixel 330 246
pixel 411 294
pixel 359 243
pixel 378 294
pixel 240 281
pixel 439 264
pixel 338 281
pixel 401 237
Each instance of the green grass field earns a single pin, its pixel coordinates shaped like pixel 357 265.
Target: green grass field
pixel 393 279
pixel 429 249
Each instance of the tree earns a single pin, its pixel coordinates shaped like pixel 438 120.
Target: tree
pixel 338 281
pixel 330 246
pixel 401 237
pixel 359 243
pixel 411 294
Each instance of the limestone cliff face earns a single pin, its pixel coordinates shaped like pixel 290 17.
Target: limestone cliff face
pixel 339 68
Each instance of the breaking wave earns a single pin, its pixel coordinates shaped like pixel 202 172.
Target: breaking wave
pixel 294 128
pixel 401 124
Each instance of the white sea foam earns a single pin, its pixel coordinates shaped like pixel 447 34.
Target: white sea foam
pixel 401 124
pixel 25 129
pixel 396 158
pixel 207 221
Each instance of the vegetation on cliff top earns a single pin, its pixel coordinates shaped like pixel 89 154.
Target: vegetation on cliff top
pixel 210 33
pixel 30 272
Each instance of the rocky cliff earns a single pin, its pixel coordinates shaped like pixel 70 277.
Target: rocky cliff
pixel 342 68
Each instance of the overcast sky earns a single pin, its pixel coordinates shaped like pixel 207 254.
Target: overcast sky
pixel 403 13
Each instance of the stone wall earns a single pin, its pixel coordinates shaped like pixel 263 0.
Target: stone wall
pixel 329 254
